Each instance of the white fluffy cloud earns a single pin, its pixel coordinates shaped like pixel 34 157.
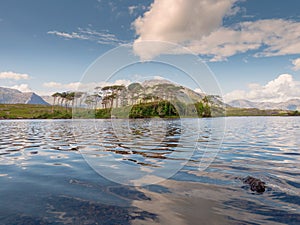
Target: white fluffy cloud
pixel 13 76
pixel 21 87
pixel 296 64
pixel 197 25
pixel 281 89
pixel 67 87
pixel 179 21
pixel 77 86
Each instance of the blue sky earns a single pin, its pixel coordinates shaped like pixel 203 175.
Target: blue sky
pixel 246 44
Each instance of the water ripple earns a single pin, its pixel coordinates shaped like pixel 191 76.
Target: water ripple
pixel 41 161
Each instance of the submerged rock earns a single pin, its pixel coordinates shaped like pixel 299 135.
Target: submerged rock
pixel 255 184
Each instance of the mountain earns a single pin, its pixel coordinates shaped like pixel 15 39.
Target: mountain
pixel 13 96
pixel 48 99
pixel 183 93
pixel 292 104
pixel 241 103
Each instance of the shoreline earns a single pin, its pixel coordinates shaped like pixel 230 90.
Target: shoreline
pixel 167 118
pixel 33 112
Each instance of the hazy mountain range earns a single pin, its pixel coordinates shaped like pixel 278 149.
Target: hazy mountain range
pixel 293 104
pixel 13 96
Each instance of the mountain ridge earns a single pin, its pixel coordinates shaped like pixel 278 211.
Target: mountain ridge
pixel 292 104
pixel 14 96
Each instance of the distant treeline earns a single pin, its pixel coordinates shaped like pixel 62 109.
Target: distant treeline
pixel 260 112
pixel 134 101
pixel 162 109
pixel 115 96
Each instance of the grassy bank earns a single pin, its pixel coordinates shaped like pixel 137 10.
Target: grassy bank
pixel 162 109
pixel 25 111
pixel 258 112
pixel 146 110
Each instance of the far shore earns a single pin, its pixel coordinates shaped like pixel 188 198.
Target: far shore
pixel 24 111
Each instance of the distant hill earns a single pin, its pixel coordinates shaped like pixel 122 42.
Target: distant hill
pixel 293 104
pixel 13 96
pixel 48 99
pixel 183 93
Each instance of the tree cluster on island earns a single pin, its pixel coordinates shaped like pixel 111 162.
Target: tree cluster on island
pixel 163 100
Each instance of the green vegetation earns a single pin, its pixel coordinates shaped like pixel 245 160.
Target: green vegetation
pixel 163 109
pixel 259 112
pixel 24 111
pixel 164 100
pixel 135 101
pixel 155 109
pixel 294 113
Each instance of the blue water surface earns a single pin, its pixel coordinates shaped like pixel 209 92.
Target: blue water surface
pixel 61 171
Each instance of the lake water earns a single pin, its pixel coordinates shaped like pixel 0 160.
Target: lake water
pixel 64 172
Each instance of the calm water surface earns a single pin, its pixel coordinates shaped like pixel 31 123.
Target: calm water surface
pixel 44 178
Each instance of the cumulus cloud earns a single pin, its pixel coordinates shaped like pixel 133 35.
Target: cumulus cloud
pixel 21 87
pixel 103 37
pixel 296 64
pixel 13 76
pixel 78 86
pixel 281 89
pixel 197 25
pixel 56 85
pixel 179 21
pixel 274 37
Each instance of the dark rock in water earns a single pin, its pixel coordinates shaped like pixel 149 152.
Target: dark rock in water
pixel 255 184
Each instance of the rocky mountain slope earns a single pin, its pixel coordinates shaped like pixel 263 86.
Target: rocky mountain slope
pixel 293 104
pixel 13 96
